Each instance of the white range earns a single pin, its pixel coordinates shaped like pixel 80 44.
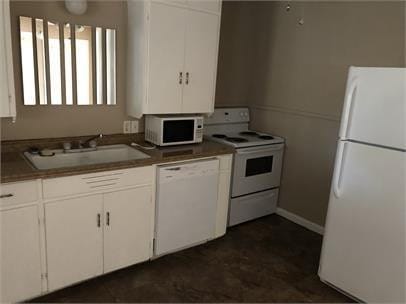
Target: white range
pixel 257 163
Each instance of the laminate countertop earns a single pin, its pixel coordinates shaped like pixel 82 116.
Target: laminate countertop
pixel 15 167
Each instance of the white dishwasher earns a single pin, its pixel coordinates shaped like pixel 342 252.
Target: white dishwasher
pixel 186 205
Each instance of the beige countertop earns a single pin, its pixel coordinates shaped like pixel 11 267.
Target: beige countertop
pixel 14 166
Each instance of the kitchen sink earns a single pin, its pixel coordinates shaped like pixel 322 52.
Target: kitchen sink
pixel 82 157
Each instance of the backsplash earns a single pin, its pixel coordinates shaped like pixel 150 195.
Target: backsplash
pixel 56 143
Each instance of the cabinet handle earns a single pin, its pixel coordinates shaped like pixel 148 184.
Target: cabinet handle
pixel 187 77
pixel 180 77
pixel 98 219
pixel 108 218
pixel 6 195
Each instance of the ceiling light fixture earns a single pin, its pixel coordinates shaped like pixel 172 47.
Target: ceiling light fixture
pixel 76 7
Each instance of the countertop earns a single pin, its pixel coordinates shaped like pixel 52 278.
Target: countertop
pixel 14 166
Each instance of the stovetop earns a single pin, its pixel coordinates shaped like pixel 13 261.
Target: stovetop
pixel 245 138
pixel 231 126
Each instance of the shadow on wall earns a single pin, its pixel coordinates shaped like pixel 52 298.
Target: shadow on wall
pixel 293 78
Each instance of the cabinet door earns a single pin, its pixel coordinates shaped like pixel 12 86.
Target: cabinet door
pixel 166 59
pixel 74 231
pixel 200 62
pixel 223 201
pixel 20 254
pixel 128 230
pixel 208 5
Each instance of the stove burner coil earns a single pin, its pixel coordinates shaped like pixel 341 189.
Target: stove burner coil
pixel 250 133
pixel 236 139
pixel 266 137
pixel 219 136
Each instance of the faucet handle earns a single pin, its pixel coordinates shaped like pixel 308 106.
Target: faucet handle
pixel 92 144
pixel 67 146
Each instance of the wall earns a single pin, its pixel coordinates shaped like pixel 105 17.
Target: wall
pixel 235 49
pixel 297 80
pixel 56 121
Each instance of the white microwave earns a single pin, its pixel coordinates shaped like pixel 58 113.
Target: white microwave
pixel 167 130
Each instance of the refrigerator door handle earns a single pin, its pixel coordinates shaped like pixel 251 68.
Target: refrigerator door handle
pixel 348 107
pixel 339 169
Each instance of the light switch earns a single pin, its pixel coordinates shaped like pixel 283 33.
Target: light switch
pixel 127 126
pixel 135 125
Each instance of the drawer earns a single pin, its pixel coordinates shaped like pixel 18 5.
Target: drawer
pixel 18 193
pixel 85 183
pixel 249 207
pixel 225 162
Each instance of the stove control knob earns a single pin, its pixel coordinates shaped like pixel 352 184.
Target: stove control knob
pixel 242 114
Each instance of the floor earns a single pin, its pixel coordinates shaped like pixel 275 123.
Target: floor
pixel 267 260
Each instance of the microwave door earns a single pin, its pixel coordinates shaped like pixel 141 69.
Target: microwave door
pixel 179 131
pixel 257 169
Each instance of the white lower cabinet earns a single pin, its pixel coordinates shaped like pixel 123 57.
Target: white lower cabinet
pixel 223 195
pixel 79 227
pixel 128 230
pixel 20 254
pixel 74 235
pixel 95 234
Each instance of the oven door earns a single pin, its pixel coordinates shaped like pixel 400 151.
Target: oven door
pixel 178 131
pixel 257 169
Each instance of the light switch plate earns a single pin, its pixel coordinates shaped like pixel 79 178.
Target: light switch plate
pixel 135 125
pixel 127 126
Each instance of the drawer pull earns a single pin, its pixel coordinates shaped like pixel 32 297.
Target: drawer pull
pixel 104 185
pixel 102 175
pixel 103 180
pixel 6 195
pixel 98 219
pixel 108 218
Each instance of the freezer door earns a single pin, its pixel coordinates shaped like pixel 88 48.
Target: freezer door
pixel 364 242
pixel 375 107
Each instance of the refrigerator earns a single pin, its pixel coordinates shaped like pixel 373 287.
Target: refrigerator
pixel 364 244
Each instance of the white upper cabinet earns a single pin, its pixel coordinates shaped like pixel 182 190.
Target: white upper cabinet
pixel 172 56
pixel 7 93
pixel 166 58
pixel 213 6
pixel 200 62
pixel 207 5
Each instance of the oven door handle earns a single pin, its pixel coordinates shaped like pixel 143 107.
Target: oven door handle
pixel 275 148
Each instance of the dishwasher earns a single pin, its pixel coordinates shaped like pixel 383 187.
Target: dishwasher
pixel 186 205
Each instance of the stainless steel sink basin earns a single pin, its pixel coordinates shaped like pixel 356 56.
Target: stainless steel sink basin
pixel 102 154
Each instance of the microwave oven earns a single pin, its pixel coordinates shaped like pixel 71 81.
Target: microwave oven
pixel 167 130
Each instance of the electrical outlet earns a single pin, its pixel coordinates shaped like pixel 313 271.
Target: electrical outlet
pixel 127 126
pixel 135 126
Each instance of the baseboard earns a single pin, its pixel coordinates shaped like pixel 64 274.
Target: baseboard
pixel 300 221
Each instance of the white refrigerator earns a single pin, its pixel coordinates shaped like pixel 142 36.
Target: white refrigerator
pixel 364 245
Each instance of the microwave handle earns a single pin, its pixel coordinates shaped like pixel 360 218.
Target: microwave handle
pixel 275 148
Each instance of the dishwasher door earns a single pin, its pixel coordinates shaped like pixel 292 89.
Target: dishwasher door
pixel 186 205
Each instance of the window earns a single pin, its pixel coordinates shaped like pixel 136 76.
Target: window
pixel 67 64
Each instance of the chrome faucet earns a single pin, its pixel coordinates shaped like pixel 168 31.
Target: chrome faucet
pixel 91 142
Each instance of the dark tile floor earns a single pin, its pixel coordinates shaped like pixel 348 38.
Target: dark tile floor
pixel 267 260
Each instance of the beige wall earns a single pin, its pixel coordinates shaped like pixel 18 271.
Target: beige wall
pixel 55 121
pixel 235 52
pixel 297 80
pixel 291 76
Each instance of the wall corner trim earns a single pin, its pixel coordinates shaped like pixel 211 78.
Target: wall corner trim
pixel 300 221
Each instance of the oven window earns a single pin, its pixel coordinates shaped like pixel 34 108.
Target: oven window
pixel 260 165
pixel 178 130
